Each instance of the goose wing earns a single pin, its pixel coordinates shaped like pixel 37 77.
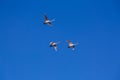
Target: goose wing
pixel 55 48
pixel 45 17
pixel 49 23
pixel 69 42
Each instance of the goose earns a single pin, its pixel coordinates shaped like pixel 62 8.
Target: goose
pixel 54 45
pixel 47 21
pixel 71 45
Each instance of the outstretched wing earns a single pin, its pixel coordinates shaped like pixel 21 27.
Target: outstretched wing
pixel 45 17
pixel 69 42
pixel 55 47
pixel 49 23
pixel 73 49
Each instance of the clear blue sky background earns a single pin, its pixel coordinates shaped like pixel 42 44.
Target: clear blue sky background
pixel 24 41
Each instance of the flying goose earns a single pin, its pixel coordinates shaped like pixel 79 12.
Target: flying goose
pixel 47 21
pixel 71 45
pixel 54 45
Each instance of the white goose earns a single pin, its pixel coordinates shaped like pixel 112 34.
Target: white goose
pixel 47 21
pixel 71 45
pixel 54 45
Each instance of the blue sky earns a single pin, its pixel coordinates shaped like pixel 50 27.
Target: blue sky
pixel 24 44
